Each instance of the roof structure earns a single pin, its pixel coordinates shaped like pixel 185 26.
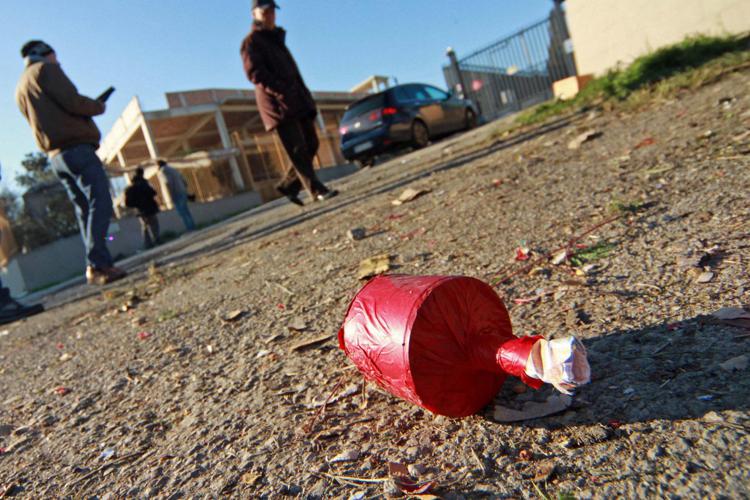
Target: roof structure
pixel 222 125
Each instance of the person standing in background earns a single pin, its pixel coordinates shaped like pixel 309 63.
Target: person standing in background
pixel 61 120
pixel 141 196
pixel 177 188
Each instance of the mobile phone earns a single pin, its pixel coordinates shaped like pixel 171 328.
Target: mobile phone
pixel 105 95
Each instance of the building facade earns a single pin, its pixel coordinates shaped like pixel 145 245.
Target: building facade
pixel 217 140
pixel 606 33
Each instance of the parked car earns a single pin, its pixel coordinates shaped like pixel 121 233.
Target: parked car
pixel 409 114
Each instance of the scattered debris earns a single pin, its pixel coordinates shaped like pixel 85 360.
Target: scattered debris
pixel 738 363
pixel 586 136
pixel 318 402
pixel 540 293
pixel 410 194
pixel 705 277
pixel 696 257
pixel 402 480
pixel 525 455
pixel 144 335
pixel 107 454
pixel 250 478
pixel 356 234
pixel 8 490
pixel 532 409
pixel 374 266
pixel 66 357
pixel 648 141
pixel 297 325
pixel 731 313
pixel 235 316
pixel 545 471
pixel 346 456
pixel 310 342
pixel 523 253
pixel 560 257
pixel 61 391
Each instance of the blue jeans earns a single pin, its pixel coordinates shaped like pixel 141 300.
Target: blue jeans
pixel 181 205
pixel 83 176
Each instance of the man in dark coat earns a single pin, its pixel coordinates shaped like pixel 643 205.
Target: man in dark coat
pixel 284 101
pixel 141 196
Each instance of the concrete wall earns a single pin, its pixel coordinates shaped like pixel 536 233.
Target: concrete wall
pixel 64 259
pixel 606 32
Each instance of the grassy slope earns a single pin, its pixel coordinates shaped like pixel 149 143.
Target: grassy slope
pixel 694 62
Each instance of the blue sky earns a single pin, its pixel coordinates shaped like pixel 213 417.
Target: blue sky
pixel 149 47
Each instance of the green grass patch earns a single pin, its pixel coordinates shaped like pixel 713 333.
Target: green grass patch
pixel 591 254
pixel 166 315
pixel 695 61
pixel 625 207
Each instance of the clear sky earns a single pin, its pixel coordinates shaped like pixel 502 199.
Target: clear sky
pixel 149 47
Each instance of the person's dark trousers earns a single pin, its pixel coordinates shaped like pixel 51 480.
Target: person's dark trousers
pixel 301 144
pixel 181 205
pixel 150 230
pixel 83 176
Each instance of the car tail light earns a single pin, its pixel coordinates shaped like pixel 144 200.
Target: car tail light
pixel 380 113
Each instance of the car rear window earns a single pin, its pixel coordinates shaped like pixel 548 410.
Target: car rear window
pixel 364 106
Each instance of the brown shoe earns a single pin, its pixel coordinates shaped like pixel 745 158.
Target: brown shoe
pixel 104 275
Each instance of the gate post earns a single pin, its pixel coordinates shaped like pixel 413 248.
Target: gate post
pixel 457 71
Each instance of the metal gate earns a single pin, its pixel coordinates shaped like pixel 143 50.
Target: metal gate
pixel 517 71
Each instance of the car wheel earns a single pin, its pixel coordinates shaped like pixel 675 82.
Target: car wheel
pixel 471 119
pixel 420 136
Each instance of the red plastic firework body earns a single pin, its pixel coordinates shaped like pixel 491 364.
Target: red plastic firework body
pixel 442 342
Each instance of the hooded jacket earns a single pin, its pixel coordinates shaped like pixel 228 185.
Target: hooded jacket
pixel 280 91
pixel 59 116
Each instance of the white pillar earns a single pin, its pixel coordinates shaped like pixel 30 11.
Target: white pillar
pixel 226 141
pixel 153 151
pixel 121 159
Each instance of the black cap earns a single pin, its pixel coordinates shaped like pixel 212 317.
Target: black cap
pixel 264 4
pixel 37 48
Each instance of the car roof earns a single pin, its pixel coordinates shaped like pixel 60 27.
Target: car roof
pixel 389 91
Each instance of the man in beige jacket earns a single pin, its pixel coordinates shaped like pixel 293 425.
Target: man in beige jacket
pixel 61 120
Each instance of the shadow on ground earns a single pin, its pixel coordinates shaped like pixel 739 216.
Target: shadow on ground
pixel 667 371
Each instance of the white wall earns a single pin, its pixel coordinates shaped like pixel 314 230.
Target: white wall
pixel 606 32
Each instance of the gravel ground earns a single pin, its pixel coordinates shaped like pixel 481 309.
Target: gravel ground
pixel 204 375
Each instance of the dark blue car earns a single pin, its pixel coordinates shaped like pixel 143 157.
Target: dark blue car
pixel 409 114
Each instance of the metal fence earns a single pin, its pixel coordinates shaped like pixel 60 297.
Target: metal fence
pixel 517 71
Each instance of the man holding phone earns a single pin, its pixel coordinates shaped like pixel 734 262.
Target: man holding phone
pixel 61 120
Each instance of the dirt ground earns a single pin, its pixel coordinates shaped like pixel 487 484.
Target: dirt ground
pixel 204 375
